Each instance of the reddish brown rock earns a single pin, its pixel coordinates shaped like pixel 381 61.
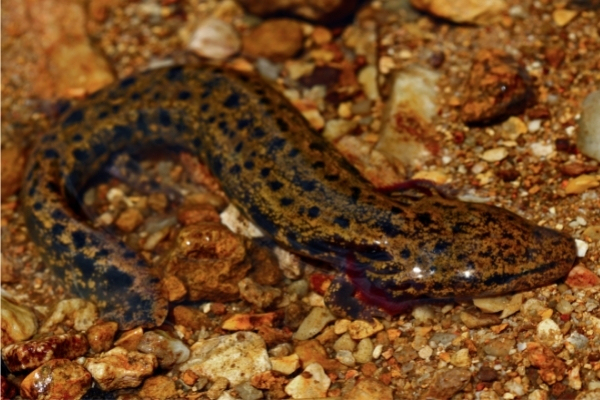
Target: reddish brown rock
pixel 265 266
pixel 367 389
pixel 210 260
pixel 191 318
pixel 57 379
pixel 447 382
pixel 34 353
pixel 101 336
pixel 276 39
pixel 497 88
pixel 158 387
pixel 129 220
pixel 311 351
pixel 324 11
pixel 120 369
pixel 551 368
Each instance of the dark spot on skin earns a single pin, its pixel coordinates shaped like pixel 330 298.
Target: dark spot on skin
pixel 293 153
pixel 85 265
pixel 318 164
pixel 342 222
pixel 424 218
pixel 508 235
pixel 204 107
pixel 235 169
pixel 485 254
pixel 49 138
pixel 459 227
pixel 396 210
pixel 211 119
pixel 262 220
pixel 116 108
pixel 308 186
pixel 405 253
pixel 78 238
pixel 102 115
pixel 389 229
pixel 57 229
pixel 313 212
pixel 142 124
pixel 74 118
pixel 276 144
pixel 286 201
pixel 244 123
pixel 249 165
pixel 265 172
pixel 102 253
pixel 184 95
pixel 122 133
pixel 217 165
pixel 37 206
pixel 377 255
pixel 283 126
pixel 355 194
pixel 77 138
pixel 317 146
pixel 117 278
pixel 258 133
pixel 175 74
pixel 129 254
pixel 50 154
pixel 275 185
pixel 233 101
pixel 441 246
pixel 125 83
pixel 135 96
pixel 265 101
pixel 239 147
pixel 81 155
pixel 164 117
pixel 332 178
pixel 53 187
pixel 99 149
pixel 461 257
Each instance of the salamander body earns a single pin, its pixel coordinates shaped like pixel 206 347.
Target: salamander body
pixel 285 178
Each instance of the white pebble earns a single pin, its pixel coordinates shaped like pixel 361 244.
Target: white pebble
pixel 582 247
pixel 534 125
pixel 215 39
pixel 496 154
pixel 588 139
pixel 541 149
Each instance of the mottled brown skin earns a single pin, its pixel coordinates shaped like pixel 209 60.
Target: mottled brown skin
pixel 288 181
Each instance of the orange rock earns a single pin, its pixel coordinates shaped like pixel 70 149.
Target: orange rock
pixel 57 379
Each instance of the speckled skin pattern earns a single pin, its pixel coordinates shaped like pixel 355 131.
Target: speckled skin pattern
pixel 290 182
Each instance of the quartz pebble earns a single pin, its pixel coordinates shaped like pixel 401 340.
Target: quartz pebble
pixel 18 322
pixel 82 313
pixel 168 350
pixel 549 334
pixel 313 382
pixel 101 336
pixel 588 138
pixel 318 318
pixel 360 329
pixel 286 365
pixel 120 369
pixel 57 379
pixel 215 39
pixel 581 184
pixel 236 357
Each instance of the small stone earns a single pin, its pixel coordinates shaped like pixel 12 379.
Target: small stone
pixel 167 349
pixel 33 353
pixel 158 387
pixel 367 77
pixel 593 232
pixel 461 359
pixel 13 168
pixel 549 334
pixel 237 357
pixel 360 329
pixel 364 351
pixel 191 318
pixel 260 41
pixel 120 369
pixel 313 382
pixel 345 357
pixel 581 184
pixel 260 296
pixel 369 389
pixel 482 12
pixel 581 277
pixel 344 342
pixel 248 392
pixel 130 339
pixel 551 368
pixel 78 312
pixel 175 289
pixel 497 87
pixel 246 322
pixel 473 321
pixel 499 347
pixel 57 379
pixel 496 154
pixel 197 213
pixel 18 323
pixel 129 220
pixel 217 390
pixel 447 382
pixel 311 351
pixel 318 318
pixel 215 39
pixel 324 11
pixel 563 17
pixel 588 138
pixel 158 202
pixel 286 365
pixel 487 374
pixel 101 335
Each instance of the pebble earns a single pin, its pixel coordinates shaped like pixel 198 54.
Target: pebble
pixel 364 351
pixel 314 323
pixel 129 220
pixel 500 347
pixel 588 138
pixel 19 323
pixel 33 353
pixel 360 329
pixel 313 382
pixel 57 379
pixel 260 296
pixel 562 17
pixel 549 334
pixel 497 88
pixel 259 42
pixel 461 358
pixel 473 321
pixel 542 149
pixel 101 336
pixel 246 322
pixel 158 387
pixel 367 77
pixel 311 351
pixel 344 342
pixel 167 349
pixel 496 154
pixel 551 368
pixel 248 392
pixel 482 12
pixel 582 183
pixel 286 365
pixel 345 357
pixel 369 389
pixel 324 11
pixel 130 339
pixel 82 314
pixel 447 382
pixel 236 357
pixel 175 289
pixel 581 277
pixel 13 167
pixel 120 369
pixel 215 39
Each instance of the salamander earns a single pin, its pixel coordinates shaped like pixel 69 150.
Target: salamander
pixel 285 178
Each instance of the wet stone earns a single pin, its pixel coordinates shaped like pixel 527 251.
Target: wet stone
pixel 57 379
pixel 313 382
pixel 18 323
pixel 120 369
pixel 588 139
pixel 369 389
pixel 101 336
pixel 260 43
pixel 168 350
pixel 158 387
pixel 447 382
